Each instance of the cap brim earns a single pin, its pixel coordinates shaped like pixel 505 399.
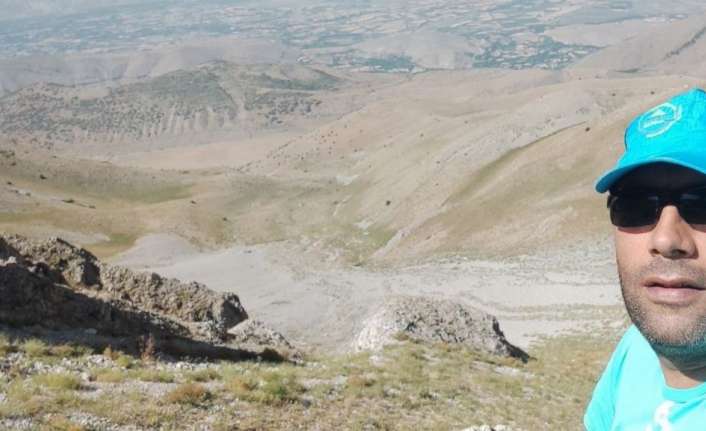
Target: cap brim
pixel 611 177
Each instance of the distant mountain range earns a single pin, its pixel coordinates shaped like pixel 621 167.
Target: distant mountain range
pixel 371 36
pixel 20 72
pixel 218 96
pixel 680 48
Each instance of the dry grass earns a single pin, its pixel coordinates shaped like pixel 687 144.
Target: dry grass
pixel 121 359
pixel 6 346
pixel 277 387
pixel 62 423
pixel 189 393
pixel 69 351
pixel 125 361
pixel 108 375
pixel 58 381
pixel 35 348
pixel 153 375
pixel 204 375
pixel 240 386
pixel 270 387
pixel 138 408
pixel 111 354
pixel 408 386
pixel 41 395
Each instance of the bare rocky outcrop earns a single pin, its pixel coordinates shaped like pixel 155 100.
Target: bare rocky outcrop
pixel 256 336
pixel 55 285
pixel 435 320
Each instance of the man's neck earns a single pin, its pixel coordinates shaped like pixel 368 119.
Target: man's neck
pixel 682 376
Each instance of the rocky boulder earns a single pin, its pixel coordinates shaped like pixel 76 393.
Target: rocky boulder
pixel 435 320
pixel 74 265
pixel 54 285
pixel 256 336
pixel 208 315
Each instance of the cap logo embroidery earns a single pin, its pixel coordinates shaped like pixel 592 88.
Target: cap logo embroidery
pixel 658 120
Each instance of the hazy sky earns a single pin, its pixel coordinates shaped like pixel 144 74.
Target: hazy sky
pixel 24 8
pixel 13 9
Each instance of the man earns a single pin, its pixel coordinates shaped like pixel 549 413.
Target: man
pixel 657 199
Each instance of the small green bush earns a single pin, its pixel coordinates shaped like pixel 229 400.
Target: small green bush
pixel 111 354
pixel 107 375
pixel 124 361
pixel 58 381
pixel 69 351
pixel 156 376
pixel 35 348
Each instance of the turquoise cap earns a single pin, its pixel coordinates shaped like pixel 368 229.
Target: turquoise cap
pixel 673 132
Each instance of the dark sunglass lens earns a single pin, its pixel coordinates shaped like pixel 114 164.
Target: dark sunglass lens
pixel 633 211
pixel 692 207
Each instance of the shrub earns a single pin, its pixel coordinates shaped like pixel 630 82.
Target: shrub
pixel 58 381
pixel 35 348
pixel 189 393
pixel 23 399
pixel 241 386
pixel 274 388
pixel 61 423
pixel 6 346
pixel 107 375
pixel 124 361
pixel 111 354
pixel 69 350
pixel 204 375
pixel 358 381
pixel 120 359
pixel 156 376
pixel 148 348
pixel 279 388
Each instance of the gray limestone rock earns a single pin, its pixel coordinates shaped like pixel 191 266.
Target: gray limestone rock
pixel 435 320
pixel 54 285
pixel 256 336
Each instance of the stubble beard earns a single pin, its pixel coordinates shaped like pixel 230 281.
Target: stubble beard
pixel 676 333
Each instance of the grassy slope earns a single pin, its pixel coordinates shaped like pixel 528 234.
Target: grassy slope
pixel 437 165
pixel 406 387
pixel 88 197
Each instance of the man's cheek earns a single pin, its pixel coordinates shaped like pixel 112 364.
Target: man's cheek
pixel 631 254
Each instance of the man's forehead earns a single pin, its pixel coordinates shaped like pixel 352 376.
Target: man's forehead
pixel 660 176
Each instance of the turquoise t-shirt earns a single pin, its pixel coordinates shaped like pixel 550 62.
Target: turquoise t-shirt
pixel 632 395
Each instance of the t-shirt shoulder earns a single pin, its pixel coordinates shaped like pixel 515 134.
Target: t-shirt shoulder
pixel 601 409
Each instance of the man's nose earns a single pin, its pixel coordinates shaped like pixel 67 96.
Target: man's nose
pixel 672 237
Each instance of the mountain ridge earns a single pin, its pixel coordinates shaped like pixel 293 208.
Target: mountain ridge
pixel 219 96
pixel 679 48
pixel 19 72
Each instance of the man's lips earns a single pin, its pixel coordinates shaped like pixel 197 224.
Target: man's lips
pixel 672 290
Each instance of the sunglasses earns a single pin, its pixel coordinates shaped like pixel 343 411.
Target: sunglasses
pixel 642 208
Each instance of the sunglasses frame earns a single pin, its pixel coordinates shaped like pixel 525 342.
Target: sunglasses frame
pixel 660 199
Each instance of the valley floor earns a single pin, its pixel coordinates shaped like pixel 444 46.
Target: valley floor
pixel 324 305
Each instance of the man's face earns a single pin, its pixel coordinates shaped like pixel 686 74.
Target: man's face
pixel 662 267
